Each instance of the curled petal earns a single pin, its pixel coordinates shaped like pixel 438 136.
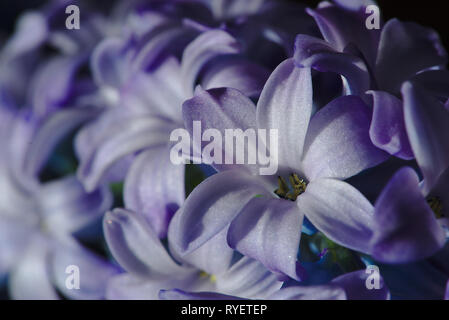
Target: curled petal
pixel 317 54
pixel 405 228
pixel 67 207
pixel 154 187
pixel 387 130
pixel 137 248
pixel 176 294
pixel 202 50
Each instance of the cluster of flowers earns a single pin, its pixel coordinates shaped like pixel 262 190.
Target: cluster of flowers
pixel 86 177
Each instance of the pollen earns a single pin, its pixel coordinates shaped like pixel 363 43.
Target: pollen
pixel 212 278
pixel 436 206
pixel 292 190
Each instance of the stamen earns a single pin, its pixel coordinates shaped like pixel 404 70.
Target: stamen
pixel 297 187
pixel 212 278
pixel 436 206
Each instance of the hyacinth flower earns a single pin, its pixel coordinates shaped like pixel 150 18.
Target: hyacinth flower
pixel 151 267
pixel 349 286
pixel 132 138
pixel 316 152
pixel 374 63
pixel 411 215
pixel 37 220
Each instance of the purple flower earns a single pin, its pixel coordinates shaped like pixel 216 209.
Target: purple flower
pixel 322 149
pixel 151 267
pixel 411 216
pixel 373 62
pixel 37 219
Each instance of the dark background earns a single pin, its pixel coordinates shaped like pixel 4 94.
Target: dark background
pixel 431 13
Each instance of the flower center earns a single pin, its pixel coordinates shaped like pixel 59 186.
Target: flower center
pixel 206 275
pixel 290 191
pixel 436 206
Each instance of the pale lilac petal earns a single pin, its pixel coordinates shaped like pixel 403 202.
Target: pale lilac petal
pixel 108 63
pixel 219 109
pixel 285 105
pixel 158 92
pixel 269 231
pixel 94 272
pixel 441 190
pixel 342 27
pixel 405 228
pixel 14 239
pixel 31 278
pixel 248 278
pixel 355 286
pixel 50 133
pixel 137 248
pixel 211 207
pixel 53 83
pixel 237 73
pixel 321 292
pixel 202 50
pixel 427 123
pixel 338 143
pixel 406 48
pixel 317 54
pixel 66 207
pixel 130 287
pixel 154 187
pixel 114 144
pixel 387 130
pixel 435 81
pixel 340 211
pixel 446 297
pixel 205 258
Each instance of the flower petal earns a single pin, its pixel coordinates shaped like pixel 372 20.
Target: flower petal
pixel 405 48
pixel 321 292
pixel 31 278
pixel 176 294
pixel 211 206
pixel 219 109
pixel 315 53
pixel 248 278
pixel 112 144
pixel 285 105
pixel 202 50
pixel 154 187
pixel 269 231
pixel 387 130
pixel 67 207
pixel 405 228
pixel 427 123
pixel 136 246
pixel 340 211
pixel 355 286
pixel 338 143
pixel 94 272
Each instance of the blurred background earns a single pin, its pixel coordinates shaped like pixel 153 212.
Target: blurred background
pixel 433 13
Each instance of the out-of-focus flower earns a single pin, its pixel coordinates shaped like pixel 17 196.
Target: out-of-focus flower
pixel 151 268
pixel 322 149
pixel 37 219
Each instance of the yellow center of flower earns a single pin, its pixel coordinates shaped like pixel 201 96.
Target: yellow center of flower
pixel 212 278
pixel 292 190
pixel 436 206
